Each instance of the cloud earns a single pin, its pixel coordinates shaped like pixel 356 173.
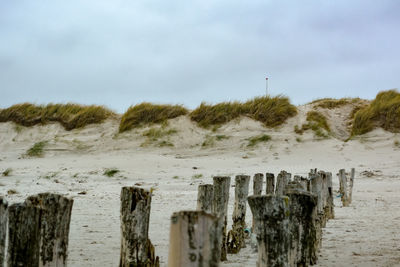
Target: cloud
pixel 119 53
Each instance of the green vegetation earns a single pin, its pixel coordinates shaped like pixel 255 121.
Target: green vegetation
pixel 147 113
pixel 316 122
pixel 383 111
pixel 331 103
pixel 7 172
pixel 253 141
pixel 197 176
pixel 154 134
pixel 220 137
pixel 271 111
pixel 36 150
pixel 70 116
pixel 209 141
pixel 111 172
pixel 396 143
pixel 299 140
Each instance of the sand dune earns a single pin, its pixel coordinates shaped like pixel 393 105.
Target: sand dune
pixel 183 156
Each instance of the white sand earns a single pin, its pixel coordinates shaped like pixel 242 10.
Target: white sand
pixel 365 234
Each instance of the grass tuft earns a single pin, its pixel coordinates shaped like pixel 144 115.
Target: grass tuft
pixel 70 116
pixel 253 141
pixel 331 103
pixel 147 113
pixel 111 172
pixel 271 111
pixel 37 150
pixel 7 172
pixel 383 111
pixel 317 123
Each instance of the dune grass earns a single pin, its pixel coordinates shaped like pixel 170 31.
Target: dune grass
pixel 70 116
pixel 383 111
pixel 253 141
pixel 271 111
pixel 111 172
pixel 147 113
pixel 317 123
pixel 37 150
pixel 331 103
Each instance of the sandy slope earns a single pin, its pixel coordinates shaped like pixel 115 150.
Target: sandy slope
pixel 364 234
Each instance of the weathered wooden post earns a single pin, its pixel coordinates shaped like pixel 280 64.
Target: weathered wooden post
pixel 220 208
pixel 54 231
pixel 3 228
pixel 272 229
pixel 343 187
pixel 316 187
pixel 330 203
pixel 270 189
pixel 351 182
pixel 24 224
pixel 136 248
pixel 236 235
pixel 205 196
pixel 302 211
pixel 257 183
pixel 281 182
pixel 194 240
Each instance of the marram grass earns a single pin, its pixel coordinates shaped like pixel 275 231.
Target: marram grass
pixel 271 111
pixel 147 113
pixel 383 111
pixel 70 116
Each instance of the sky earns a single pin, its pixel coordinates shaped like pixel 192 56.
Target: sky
pixel 120 53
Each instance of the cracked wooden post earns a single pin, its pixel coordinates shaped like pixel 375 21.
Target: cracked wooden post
pixel 220 208
pixel 194 240
pixel 236 236
pixel 330 203
pixel 136 248
pixel 270 188
pixel 24 224
pixel 351 182
pixel 316 187
pixel 303 231
pixel 281 182
pixel 272 229
pixel 257 184
pixel 343 187
pixel 205 197
pixel 257 188
pixel 3 228
pixel 55 221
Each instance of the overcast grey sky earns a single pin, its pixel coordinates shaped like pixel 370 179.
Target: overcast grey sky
pixel 120 53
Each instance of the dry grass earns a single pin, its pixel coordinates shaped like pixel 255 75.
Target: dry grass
pixel 331 103
pixel 70 116
pixel 147 113
pixel 253 141
pixel 271 111
pixel 317 123
pixel 383 111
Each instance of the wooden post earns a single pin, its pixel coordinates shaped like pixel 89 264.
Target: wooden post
pixel 194 240
pixel 343 187
pixel 272 229
pixel 351 182
pixel 205 196
pixel 55 220
pixel 330 203
pixel 257 183
pixel 302 210
pixel 24 235
pixel 136 248
pixel 220 208
pixel 270 189
pixel 316 187
pixel 281 182
pixel 236 235
pixel 3 228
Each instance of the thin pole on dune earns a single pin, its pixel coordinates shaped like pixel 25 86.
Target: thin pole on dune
pixel 266 86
